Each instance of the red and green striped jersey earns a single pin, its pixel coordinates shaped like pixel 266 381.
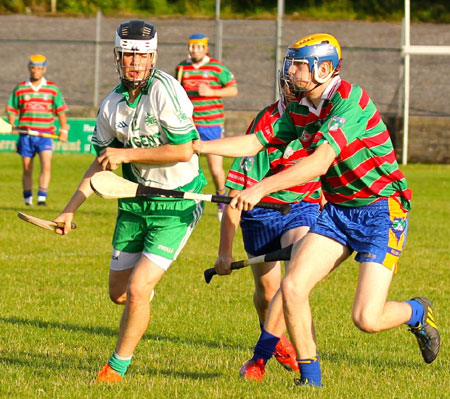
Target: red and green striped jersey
pixel 246 172
pixel 36 106
pixel 365 168
pixel 208 111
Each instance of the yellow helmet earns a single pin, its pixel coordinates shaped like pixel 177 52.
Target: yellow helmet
pixel 316 48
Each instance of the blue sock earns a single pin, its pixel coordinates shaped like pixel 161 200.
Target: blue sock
pixel 27 194
pixel 120 363
pixel 310 369
pixel 265 346
pixel 417 313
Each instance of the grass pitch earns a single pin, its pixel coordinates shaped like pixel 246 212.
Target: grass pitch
pixel 58 326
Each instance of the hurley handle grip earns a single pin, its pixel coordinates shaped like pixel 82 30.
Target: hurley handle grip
pixel 283 208
pixel 210 273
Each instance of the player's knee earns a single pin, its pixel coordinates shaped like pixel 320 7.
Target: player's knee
pixel 291 291
pixel 263 297
pixel 138 293
pixel 365 321
pixel 266 289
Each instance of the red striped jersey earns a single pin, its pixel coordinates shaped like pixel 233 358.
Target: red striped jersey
pixel 208 111
pixel 36 106
pixel 365 168
pixel 246 172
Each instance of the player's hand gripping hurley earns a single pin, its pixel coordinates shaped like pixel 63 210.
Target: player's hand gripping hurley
pixel 108 185
pixel 42 223
pixel 279 254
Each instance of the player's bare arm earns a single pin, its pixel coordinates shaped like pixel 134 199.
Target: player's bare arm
pixel 230 223
pixel 204 90
pixel 305 170
pixel 110 158
pixel 83 192
pixel 64 127
pixel 238 146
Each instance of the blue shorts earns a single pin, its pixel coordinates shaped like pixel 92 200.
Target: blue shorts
pixel 28 146
pixel 377 232
pixel 210 132
pixel 262 229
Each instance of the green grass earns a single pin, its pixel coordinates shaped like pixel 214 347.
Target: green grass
pixel 58 327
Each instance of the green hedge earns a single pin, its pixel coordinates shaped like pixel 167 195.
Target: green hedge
pixel 434 11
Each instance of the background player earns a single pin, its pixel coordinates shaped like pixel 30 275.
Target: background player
pixel 36 101
pixel 145 123
pixel 368 201
pixel 206 81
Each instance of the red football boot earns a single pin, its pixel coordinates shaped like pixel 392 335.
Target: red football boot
pixel 285 354
pixel 253 370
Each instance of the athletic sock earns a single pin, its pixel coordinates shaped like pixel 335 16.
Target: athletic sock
pixel 28 196
pixel 120 363
pixel 417 313
pixel 42 194
pixel 265 346
pixel 310 370
pixel 222 191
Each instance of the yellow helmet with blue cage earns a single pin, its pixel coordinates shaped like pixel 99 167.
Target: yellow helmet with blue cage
pixel 313 50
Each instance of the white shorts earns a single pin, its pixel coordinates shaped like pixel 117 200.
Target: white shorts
pixel 127 260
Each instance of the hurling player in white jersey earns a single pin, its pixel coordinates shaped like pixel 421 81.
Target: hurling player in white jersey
pixel 145 125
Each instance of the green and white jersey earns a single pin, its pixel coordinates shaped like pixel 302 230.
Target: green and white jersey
pixel 161 114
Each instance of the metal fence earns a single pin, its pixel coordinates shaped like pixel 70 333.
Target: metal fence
pixel 372 57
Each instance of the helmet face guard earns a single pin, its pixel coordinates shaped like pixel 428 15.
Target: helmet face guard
pixel 288 91
pixel 313 50
pixel 139 39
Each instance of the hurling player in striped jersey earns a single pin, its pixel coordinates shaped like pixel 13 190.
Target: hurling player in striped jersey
pixel 265 230
pixel 367 194
pixel 206 81
pixel 36 102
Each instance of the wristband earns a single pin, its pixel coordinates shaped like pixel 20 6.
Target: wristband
pixel 63 131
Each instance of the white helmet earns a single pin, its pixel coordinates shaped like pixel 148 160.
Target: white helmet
pixel 135 37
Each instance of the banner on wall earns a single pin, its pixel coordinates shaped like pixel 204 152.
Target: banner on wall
pixel 80 134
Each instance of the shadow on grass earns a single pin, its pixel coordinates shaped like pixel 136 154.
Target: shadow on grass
pixel 391 362
pixel 109 332
pixel 45 365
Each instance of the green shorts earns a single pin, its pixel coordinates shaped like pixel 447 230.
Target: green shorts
pixel 162 228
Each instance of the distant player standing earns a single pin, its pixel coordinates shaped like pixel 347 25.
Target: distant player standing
pixel 36 102
pixel 367 194
pixel 206 81
pixel 265 231
pixel 146 125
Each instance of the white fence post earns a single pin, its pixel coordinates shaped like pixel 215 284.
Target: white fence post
pixel 278 39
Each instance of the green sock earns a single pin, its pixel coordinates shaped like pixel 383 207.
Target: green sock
pixel 120 363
